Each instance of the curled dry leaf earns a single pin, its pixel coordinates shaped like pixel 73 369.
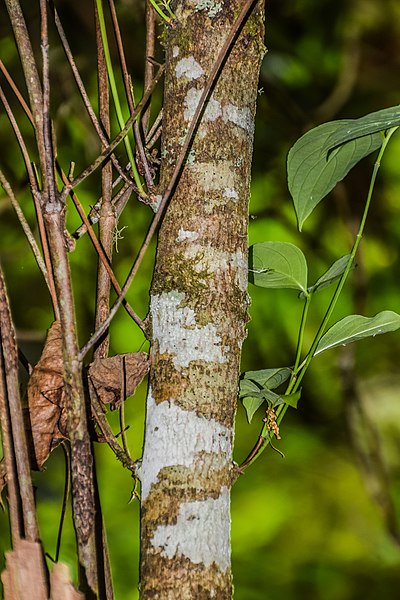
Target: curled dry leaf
pixel 46 397
pixel 116 378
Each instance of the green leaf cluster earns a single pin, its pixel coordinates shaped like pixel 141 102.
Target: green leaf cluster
pixel 315 164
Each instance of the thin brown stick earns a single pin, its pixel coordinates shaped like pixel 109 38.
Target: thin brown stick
pixel 52 200
pixel 105 429
pixel 116 141
pixel 11 475
pixel 83 490
pixel 129 96
pixel 150 51
pixel 16 420
pixel 36 200
pixel 212 78
pixel 21 143
pixel 102 255
pixel 107 219
pixel 94 213
pixel 78 206
pixel 16 91
pixel 85 97
pixel 31 74
pixel 155 131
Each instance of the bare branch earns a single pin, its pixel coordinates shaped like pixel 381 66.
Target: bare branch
pixel 117 140
pixel 37 202
pixel 15 423
pixel 102 136
pixel 129 95
pixel 150 50
pixel 30 71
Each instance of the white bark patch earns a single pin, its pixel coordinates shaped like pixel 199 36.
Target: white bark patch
pixel 213 260
pixel 189 68
pixel 231 193
pixel 175 51
pixel 196 435
pixel 242 117
pixel 213 107
pixel 214 176
pixel 186 235
pixel 201 533
pixel 176 331
pixel 211 6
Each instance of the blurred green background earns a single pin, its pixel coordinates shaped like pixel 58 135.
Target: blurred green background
pixel 323 521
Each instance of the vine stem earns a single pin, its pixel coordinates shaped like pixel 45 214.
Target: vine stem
pixel 298 373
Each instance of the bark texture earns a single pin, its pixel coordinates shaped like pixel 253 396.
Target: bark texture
pixel 198 306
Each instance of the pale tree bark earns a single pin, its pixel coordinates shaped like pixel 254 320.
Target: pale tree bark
pixel 198 306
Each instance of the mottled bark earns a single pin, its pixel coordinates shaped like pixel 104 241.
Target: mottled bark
pixel 198 306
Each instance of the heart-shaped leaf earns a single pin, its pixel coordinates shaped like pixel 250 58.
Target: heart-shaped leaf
pixel 356 327
pixel 278 265
pixel 313 173
pixel 252 403
pixel 268 378
pixel 364 126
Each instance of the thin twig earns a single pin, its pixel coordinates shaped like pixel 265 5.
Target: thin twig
pixel 31 74
pixel 101 253
pixel 21 142
pixel 105 429
pixel 49 179
pixel 16 420
pixel 36 195
pixel 78 206
pixel 212 78
pixel 16 91
pixel 94 213
pixel 129 95
pixel 85 97
pixel 117 140
pixel 150 51
pixel 155 131
pixel 25 226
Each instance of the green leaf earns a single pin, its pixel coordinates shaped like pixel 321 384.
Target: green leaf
pixel 248 388
pixel 313 173
pixel 334 272
pixel 364 126
pixel 355 327
pixel 251 405
pixel 268 378
pixel 278 265
pixel 292 399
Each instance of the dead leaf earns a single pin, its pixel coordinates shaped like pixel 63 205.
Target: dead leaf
pixel 24 576
pixel 46 397
pixel 117 377
pixel 61 586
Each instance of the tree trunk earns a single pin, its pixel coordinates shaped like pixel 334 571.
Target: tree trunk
pixel 198 307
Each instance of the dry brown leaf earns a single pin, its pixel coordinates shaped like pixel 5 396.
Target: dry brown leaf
pixel 116 378
pixel 24 576
pixel 46 397
pixel 61 586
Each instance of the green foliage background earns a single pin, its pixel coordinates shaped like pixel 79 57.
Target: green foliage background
pixel 306 526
